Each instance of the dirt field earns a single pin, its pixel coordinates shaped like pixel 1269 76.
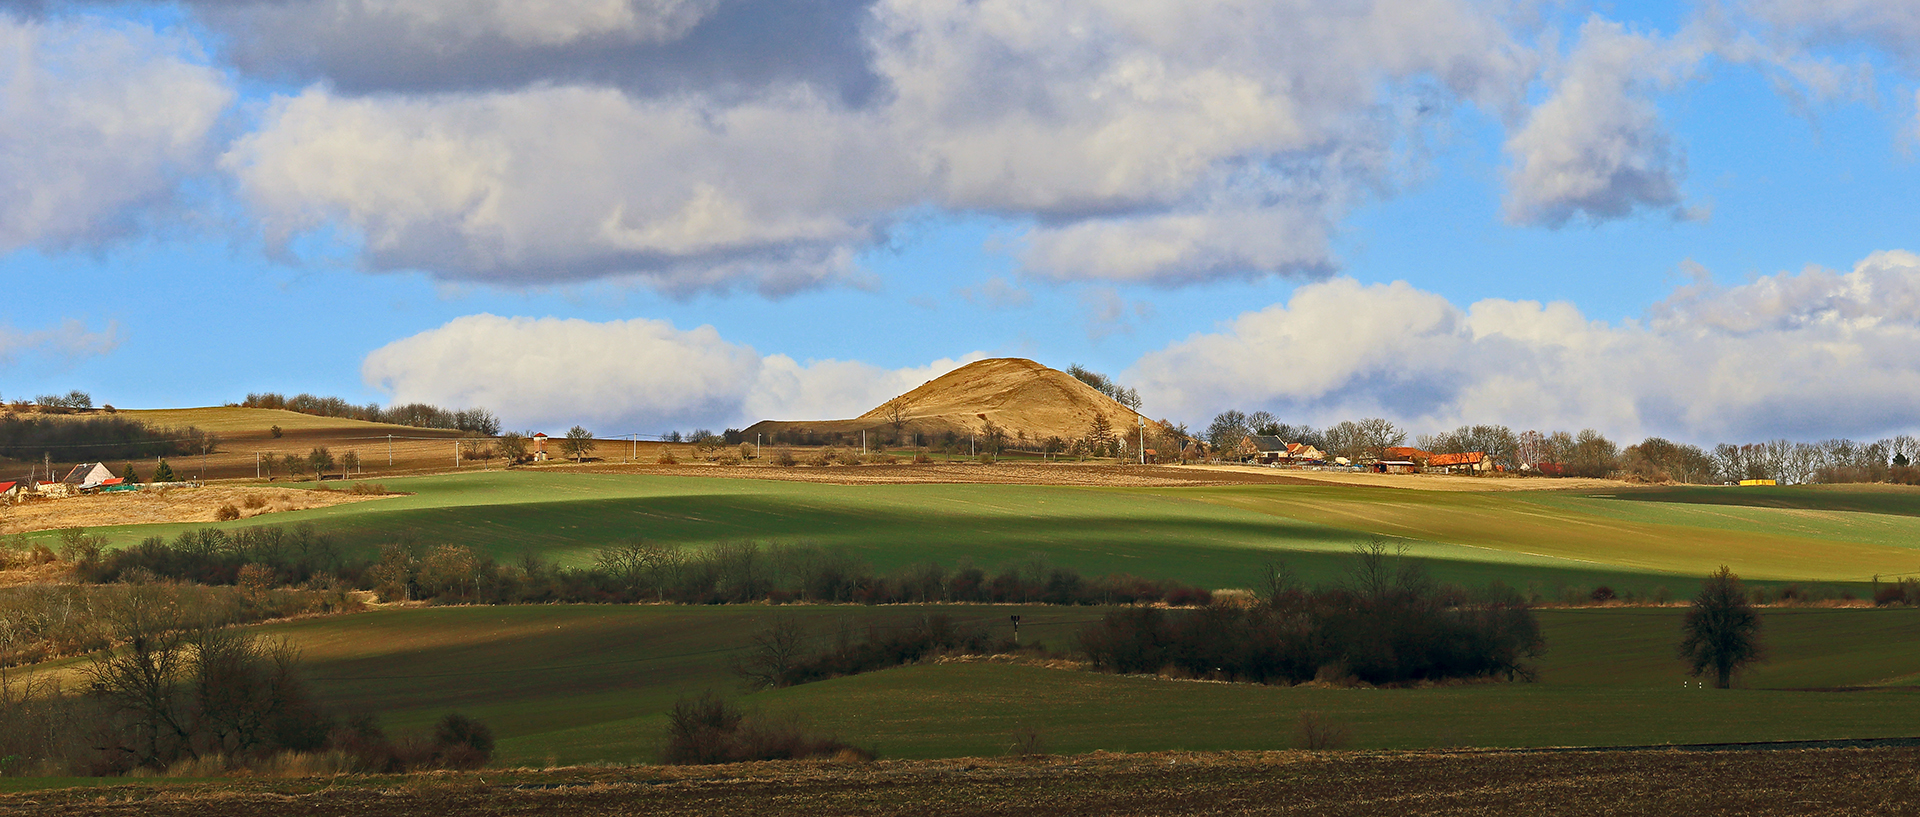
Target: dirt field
pixel 1792 782
pixel 167 505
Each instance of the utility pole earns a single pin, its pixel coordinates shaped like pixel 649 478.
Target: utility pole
pixel 256 465
pixel 863 442
pixel 636 448
pixel 389 450
pixel 456 453
pixel 756 444
pixel 1143 438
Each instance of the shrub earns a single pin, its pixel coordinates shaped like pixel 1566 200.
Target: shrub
pixel 1027 742
pixel 921 458
pixel 727 459
pixel 275 431
pixel 784 458
pixel 709 729
pixel 667 457
pixel 462 742
pixel 1602 593
pixel 258 501
pixel 821 458
pixel 1317 732
pixel 227 513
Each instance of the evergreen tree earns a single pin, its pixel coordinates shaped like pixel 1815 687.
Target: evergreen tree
pixel 163 472
pixel 128 476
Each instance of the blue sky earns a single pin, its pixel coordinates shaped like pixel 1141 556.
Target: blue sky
pixel 1687 220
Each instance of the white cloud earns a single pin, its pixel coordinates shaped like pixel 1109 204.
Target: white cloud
pixel 573 183
pixel 1166 142
pixel 71 340
pixel 1813 354
pixel 1596 147
pixel 996 293
pixel 1891 25
pixel 99 121
pixel 639 375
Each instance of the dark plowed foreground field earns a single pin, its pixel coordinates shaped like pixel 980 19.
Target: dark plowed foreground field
pixel 1798 782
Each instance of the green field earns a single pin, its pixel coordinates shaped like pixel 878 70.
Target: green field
pixel 1211 536
pixel 590 683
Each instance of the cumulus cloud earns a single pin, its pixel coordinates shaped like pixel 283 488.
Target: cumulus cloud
pixel 1596 147
pixel 99 122
pixel 1165 142
pixel 573 183
pixel 647 47
pixel 1812 354
pixel 629 376
pixel 71 340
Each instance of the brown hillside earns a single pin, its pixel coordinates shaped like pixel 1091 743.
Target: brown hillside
pixel 1016 394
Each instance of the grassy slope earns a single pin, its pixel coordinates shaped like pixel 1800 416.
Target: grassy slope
pixel 589 683
pixel 1213 536
pixel 232 420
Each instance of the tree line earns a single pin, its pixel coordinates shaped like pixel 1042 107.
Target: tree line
pixel 633 571
pixel 418 415
pixel 1387 623
pixel 97 438
pixel 1590 453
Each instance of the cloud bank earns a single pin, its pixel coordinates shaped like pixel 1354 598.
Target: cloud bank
pixel 1813 354
pixel 99 123
pixel 634 376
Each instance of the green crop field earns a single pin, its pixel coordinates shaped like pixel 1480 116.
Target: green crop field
pixel 1215 536
pixel 590 683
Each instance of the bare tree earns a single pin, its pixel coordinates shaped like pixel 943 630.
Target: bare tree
pixel 512 446
pixel 578 443
pixel 142 680
pixel 773 654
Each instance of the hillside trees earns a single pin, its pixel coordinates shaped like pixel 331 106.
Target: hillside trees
pixel 418 415
pixel 1105 385
pixel 1721 632
pixel 104 438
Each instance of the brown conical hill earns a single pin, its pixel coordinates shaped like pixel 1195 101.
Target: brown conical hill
pixel 1016 394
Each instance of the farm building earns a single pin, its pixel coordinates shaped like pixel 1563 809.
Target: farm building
pixel 89 475
pixel 1469 462
pixel 1302 452
pixel 1262 448
pixel 10 490
pixel 1396 467
pixel 540 447
pixel 1406 452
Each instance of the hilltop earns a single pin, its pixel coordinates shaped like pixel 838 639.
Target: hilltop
pixel 1015 394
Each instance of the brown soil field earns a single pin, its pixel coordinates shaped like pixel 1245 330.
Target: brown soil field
pixel 1014 393
pixel 1879 781
pixel 162 505
pixel 1080 474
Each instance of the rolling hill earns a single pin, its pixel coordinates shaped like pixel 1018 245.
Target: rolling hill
pixel 1015 394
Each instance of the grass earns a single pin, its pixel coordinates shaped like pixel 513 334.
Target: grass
pixel 590 683
pixel 234 420
pixel 1214 536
